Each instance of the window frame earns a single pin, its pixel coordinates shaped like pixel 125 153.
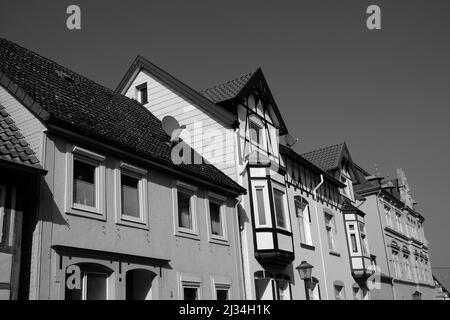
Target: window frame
pixel 92 158
pixel 261 184
pixel 2 212
pixel 139 88
pixel 306 220
pixel 331 230
pixel 189 281
pixel 140 174
pixel 261 144
pixel 220 200
pixel 192 191
pixel 339 294
pixel 221 283
pixel 276 188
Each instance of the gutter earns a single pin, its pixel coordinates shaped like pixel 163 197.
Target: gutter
pixel 188 176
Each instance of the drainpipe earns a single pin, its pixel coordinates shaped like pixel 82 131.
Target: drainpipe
pixel 320 238
pixel 243 243
pixel 384 243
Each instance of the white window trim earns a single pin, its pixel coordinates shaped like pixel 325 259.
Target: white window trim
pixel 84 284
pixel 355 231
pixel 141 175
pixel 261 184
pixel 220 283
pixel 192 190
pixel 252 119
pixel 221 200
pixel 97 212
pixel 285 207
pixel 333 230
pixel 306 219
pixel 187 280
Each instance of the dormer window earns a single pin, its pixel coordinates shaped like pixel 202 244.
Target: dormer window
pixel 141 93
pixel 255 134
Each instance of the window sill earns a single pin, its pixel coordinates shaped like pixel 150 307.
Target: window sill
pixel 86 214
pixel 334 253
pixel 307 246
pixel 219 241
pixel 187 235
pixel 133 224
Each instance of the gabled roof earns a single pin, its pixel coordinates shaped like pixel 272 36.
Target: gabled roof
pixel 64 99
pixel 227 92
pixel 327 158
pixel 140 63
pixel 13 147
pixel 284 150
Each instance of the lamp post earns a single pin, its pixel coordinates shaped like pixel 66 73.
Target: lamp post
pixel 304 270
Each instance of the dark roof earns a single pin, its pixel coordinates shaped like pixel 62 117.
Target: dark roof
pixel 227 90
pixel 13 147
pixel 63 98
pixel 443 276
pixel 326 158
pixel 294 155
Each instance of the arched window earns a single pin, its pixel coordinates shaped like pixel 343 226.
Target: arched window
pixel 314 289
pixel 339 290
pixel 302 212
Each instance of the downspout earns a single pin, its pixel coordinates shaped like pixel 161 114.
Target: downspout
pixel 320 238
pixel 242 233
pixel 384 243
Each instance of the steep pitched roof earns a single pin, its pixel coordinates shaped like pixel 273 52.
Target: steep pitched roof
pixel 326 158
pixel 224 93
pixel 63 98
pixel 227 90
pixel 13 147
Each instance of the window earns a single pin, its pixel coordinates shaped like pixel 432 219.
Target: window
pixel 284 289
pixel 131 195
pixel 93 286
pixel 314 289
pixel 221 288
pixel 387 211
pixel 222 294
pixel 407 266
pixel 304 220
pixel 261 207
pixel 141 93
pixel 264 289
pixel 396 263
pixel 185 209
pixel 85 183
pixel 189 286
pixel 339 291
pixel 330 229
pixel 280 208
pixel 364 243
pixel 217 217
pixel 353 239
pixel 256 134
pixel 356 293
pixel 399 223
pixel 190 293
pixel 4 228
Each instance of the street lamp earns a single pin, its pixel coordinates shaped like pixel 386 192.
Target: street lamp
pixel 304 270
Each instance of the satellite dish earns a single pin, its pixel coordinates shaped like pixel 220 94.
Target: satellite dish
pixel 290 141
pixel 172 128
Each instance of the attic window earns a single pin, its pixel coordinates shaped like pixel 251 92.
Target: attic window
pixel 141 93
pixel 63 75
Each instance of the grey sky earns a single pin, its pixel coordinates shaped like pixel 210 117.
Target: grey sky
pixel 386 93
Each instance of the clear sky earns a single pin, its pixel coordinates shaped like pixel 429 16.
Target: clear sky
pixel 385 92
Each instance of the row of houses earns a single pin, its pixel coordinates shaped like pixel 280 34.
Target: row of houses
pixel 97 201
